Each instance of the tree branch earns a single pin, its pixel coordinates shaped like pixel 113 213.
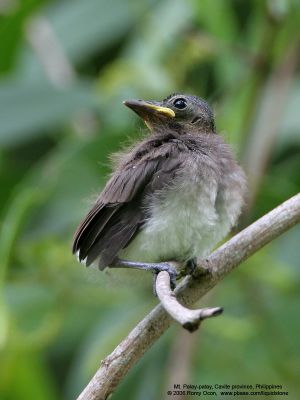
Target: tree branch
pixel 189 319
pixel 212 270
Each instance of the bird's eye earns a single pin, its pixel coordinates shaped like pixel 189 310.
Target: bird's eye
pixel 180 103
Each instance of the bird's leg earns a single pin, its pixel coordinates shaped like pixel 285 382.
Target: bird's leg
pixel 153 267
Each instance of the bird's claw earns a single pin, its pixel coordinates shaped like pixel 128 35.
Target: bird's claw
pixel 169 269
pixel 191 265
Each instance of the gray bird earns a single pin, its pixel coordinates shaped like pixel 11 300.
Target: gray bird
pixel 172 197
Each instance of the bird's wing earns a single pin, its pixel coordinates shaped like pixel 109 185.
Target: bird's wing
pixel 119 213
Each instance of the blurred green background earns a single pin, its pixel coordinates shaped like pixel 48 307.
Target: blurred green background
pixel 65 68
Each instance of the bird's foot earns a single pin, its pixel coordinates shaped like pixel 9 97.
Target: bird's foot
pixel 156 268
pixel 191 265
pixel 169 269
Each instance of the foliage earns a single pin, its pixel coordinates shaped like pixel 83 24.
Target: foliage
pixel 65 68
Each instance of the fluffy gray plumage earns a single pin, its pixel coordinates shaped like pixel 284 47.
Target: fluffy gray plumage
pixel 174 196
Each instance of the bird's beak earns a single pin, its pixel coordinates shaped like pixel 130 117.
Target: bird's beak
pixel 149 110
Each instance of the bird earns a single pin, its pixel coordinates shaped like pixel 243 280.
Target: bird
pixel 172 196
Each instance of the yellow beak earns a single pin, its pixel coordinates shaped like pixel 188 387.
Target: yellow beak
pixel 168 112
pixel 143 108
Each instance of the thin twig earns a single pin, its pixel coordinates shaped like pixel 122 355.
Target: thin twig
pixel 219 264
pixel 189 319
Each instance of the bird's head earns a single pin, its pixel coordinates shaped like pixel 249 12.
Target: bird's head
pixel 180 112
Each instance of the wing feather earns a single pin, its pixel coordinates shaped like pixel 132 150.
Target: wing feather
pixel 118 213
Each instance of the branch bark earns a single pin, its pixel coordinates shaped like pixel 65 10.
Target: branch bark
pixel 189 319
pixel 210 271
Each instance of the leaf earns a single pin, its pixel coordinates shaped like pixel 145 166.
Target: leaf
pixel 31 372
pixel 11 28
pixel 106 333
pixel 20 205
pixel 28 109
pixel 9 231
pixel 84 28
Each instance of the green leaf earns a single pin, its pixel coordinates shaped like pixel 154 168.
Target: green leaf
pixel 11 28
pixel 9 230
pixel 28 109
pixel 84 28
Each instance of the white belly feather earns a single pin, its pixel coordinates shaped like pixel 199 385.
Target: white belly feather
pixel 187 219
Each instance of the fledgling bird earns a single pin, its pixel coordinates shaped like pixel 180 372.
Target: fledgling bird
pixel 172 197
